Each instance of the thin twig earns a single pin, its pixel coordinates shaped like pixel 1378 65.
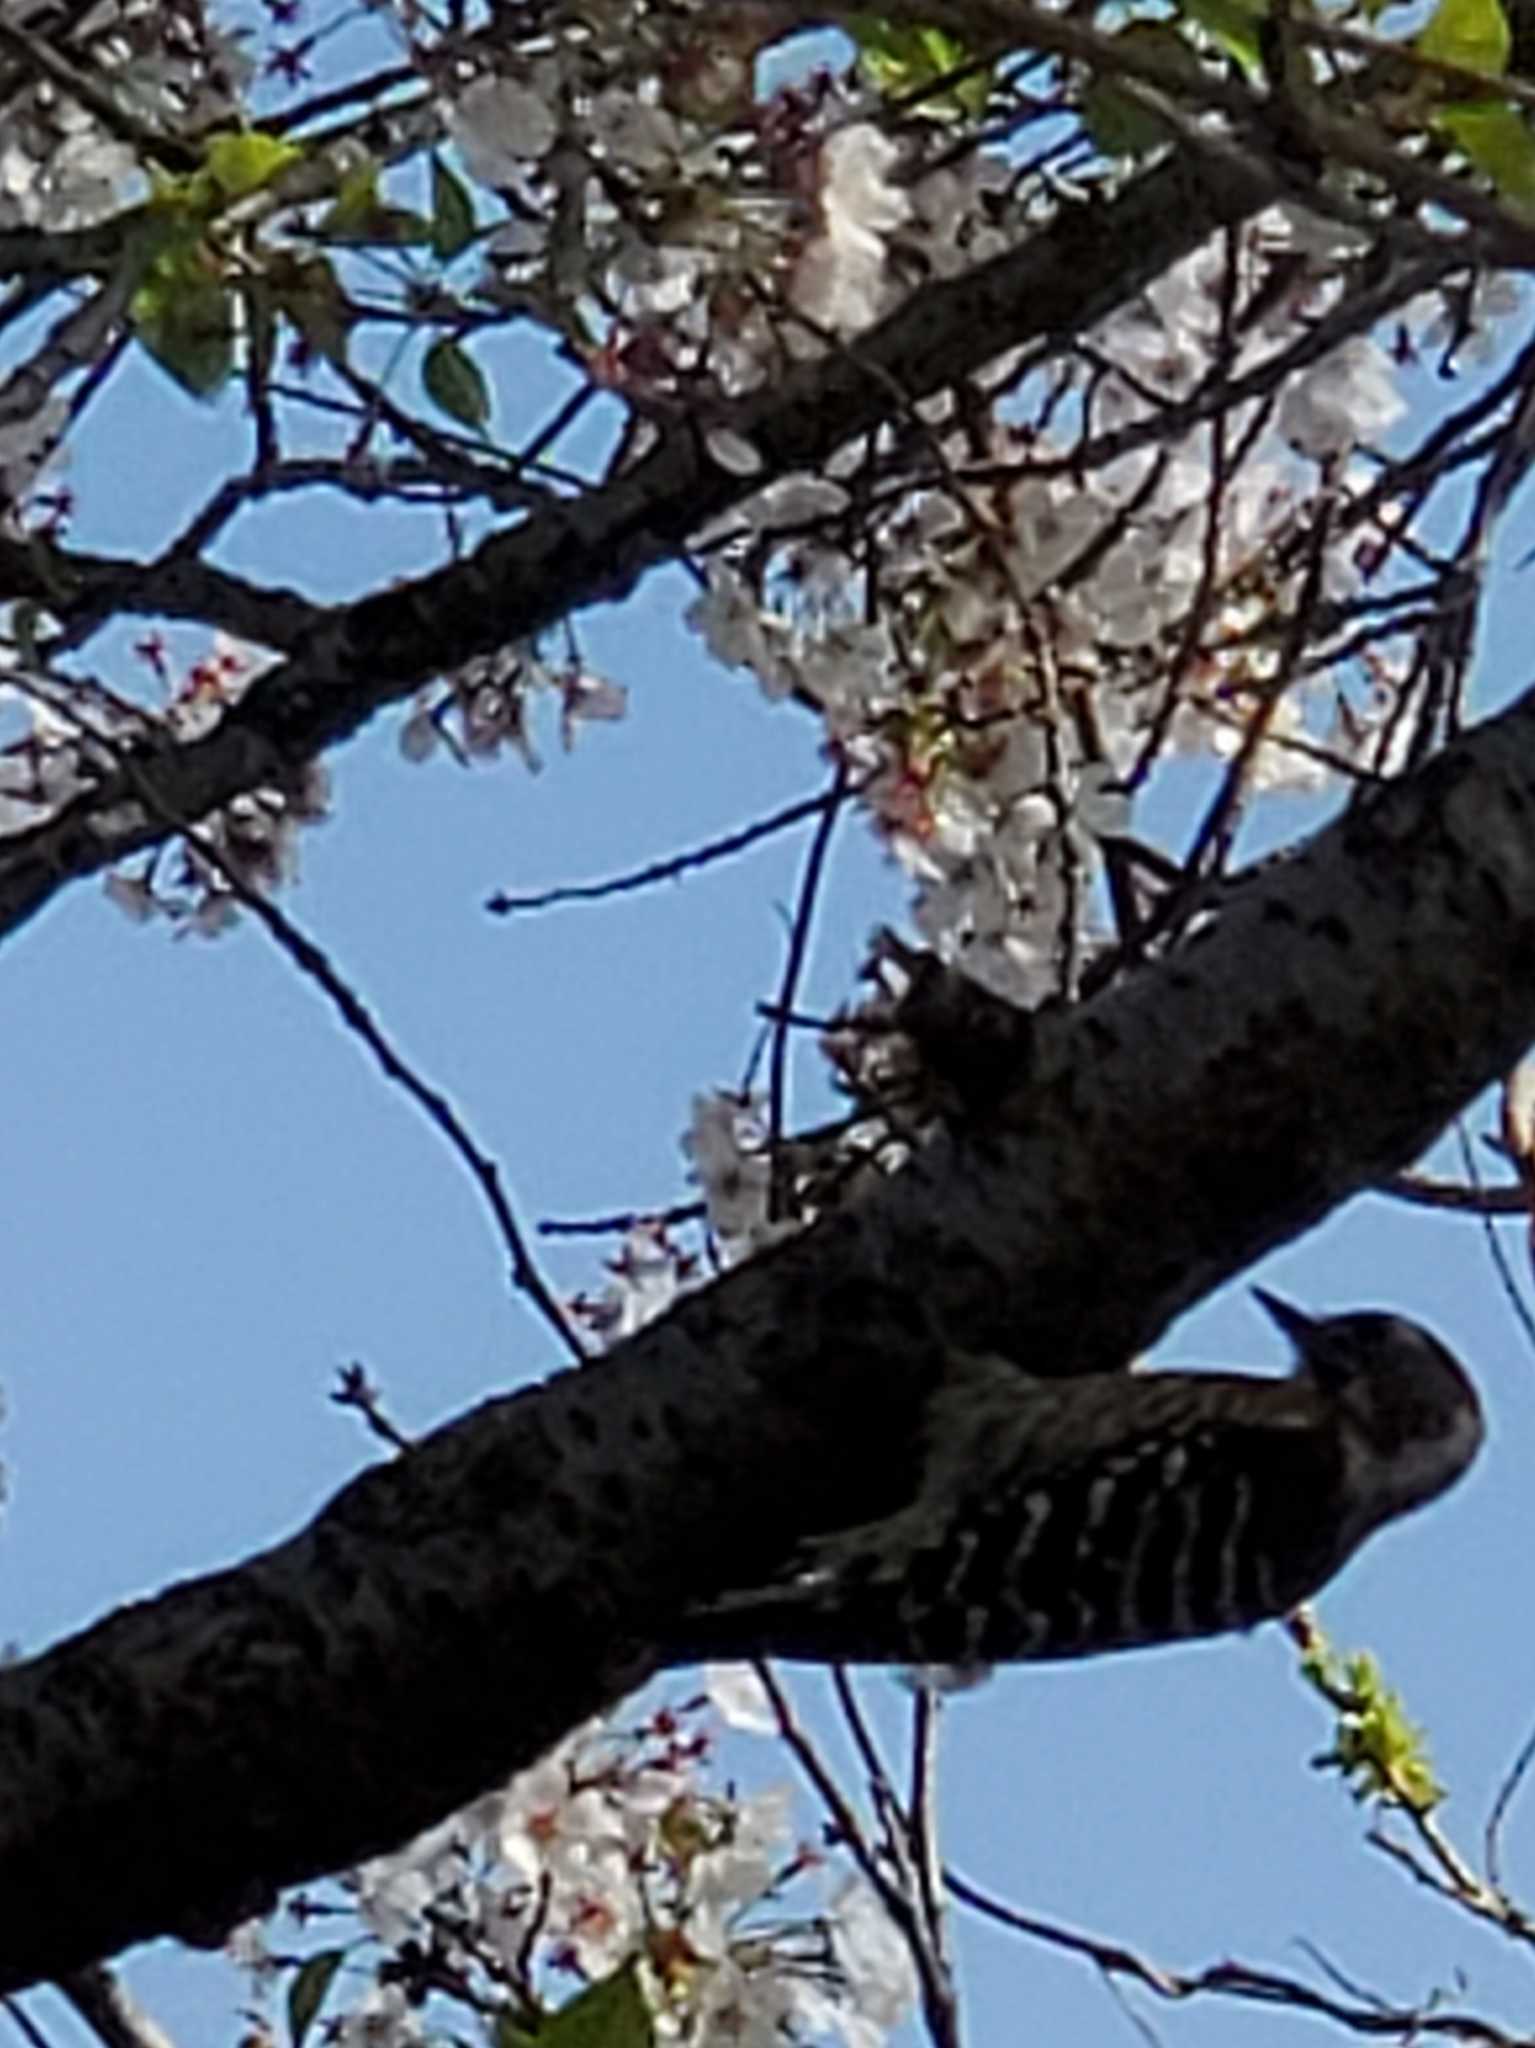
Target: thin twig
pixel 1446 1872
pixel 858 1727
pixel 1235 1980
pixel 620 1221
pixel 849 1829
pixel 794 966
pixel 112 2016
pixel 672 867
pixel 1451 1878
pixel 313 961
pixel 894 1817
pixel 1216 833
pixel 937 1992
pixel 1455 1196
pixel 1513 1778
pixel 25 2025
pixel 927 1707
pixel 1494 1243
pixel 356 1390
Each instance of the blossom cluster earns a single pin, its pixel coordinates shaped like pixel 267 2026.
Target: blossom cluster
pixel 487 705
pixel 1080 579
pixel 619 1865
pixel 75 735
pixel 678 220
pixel 61 165
pixel 71 736
pixel 1002 613
pixel 1001 609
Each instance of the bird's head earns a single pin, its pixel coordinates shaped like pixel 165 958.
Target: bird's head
pixel 1411 1416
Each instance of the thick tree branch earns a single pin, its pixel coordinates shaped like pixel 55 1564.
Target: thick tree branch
pixel 451 1614
pixel 345 663
pixel 67 582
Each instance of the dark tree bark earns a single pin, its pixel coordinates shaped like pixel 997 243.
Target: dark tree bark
pixel 449 1616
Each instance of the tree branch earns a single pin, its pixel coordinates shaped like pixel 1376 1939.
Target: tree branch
pixel 345 663
pixel 451 1614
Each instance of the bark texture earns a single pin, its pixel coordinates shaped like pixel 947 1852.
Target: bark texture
pixel 448 1616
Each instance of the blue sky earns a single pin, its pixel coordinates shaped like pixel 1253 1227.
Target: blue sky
pixel 213 1202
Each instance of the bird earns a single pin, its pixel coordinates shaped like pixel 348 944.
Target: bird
pixel 1062 1518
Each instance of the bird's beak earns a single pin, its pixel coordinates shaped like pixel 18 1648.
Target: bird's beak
pixel 1297 1326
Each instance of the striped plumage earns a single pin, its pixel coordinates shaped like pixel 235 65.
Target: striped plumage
pixel 1061 1518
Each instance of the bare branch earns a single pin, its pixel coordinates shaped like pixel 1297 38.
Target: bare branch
pixel 675 865
pixel 788 987
pixel 1507 1792
pixel 316 965
pixel 345 664
pixel 474 1598
pixel 1239 1981
pixel 116 2020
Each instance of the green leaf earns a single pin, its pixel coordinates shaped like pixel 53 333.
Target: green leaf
pixel 310 295
pixel 306 1994
pixel 455 384
pixel 1375 1746
pixel 184 314
pixel 358 214
pixel 453 227
pixel 1117 123
pixel 1497 140
pixel 246 161
pixel 611 2013
pixel 904 58
pixel 355 203
pixel 169 192
pixel 398 225
pixel 1234 25
pixel 1471 33
pixel 1379 1747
